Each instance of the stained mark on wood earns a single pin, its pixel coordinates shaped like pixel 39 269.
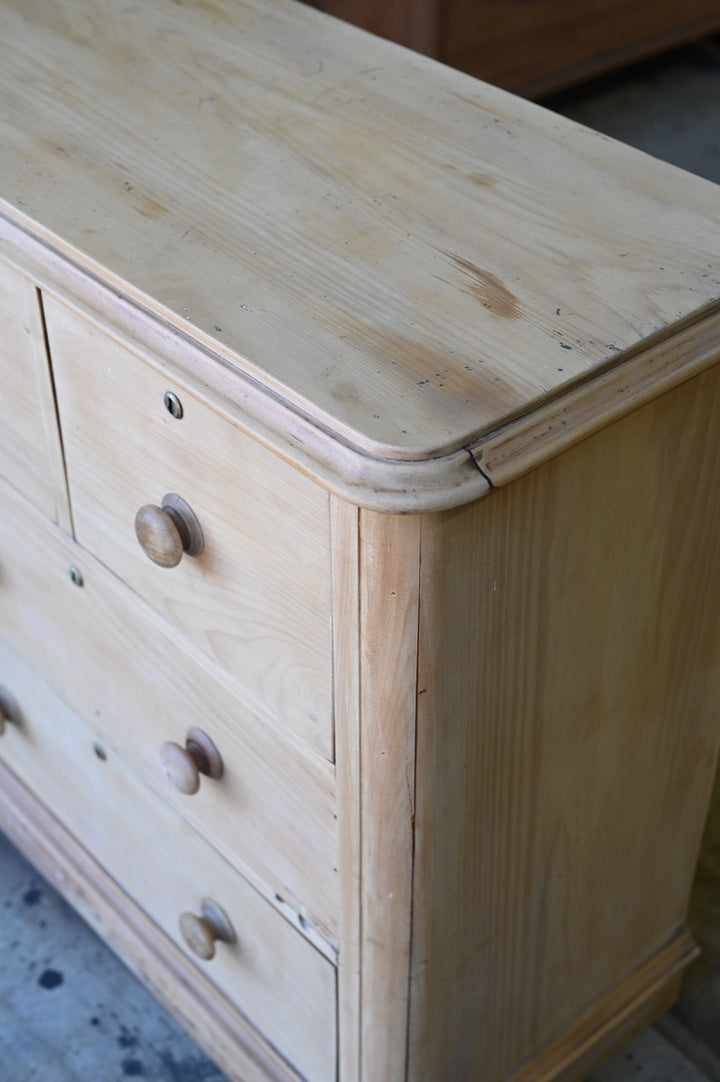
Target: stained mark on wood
pixel 481 180
pixel 488 288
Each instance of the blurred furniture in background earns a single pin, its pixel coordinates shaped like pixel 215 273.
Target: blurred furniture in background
pixel 532 47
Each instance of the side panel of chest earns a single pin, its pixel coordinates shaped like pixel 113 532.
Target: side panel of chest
pixel 568 690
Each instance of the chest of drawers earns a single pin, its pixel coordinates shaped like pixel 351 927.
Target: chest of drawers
pixel 360 647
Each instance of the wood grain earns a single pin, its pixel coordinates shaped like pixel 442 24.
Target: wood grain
pixel 242 600
pixel 166 867
pixel 31 458
pixel 121 668
pixel 567 735
pixel 417 307
pixel 393 485
pixel 526 443
pixel 389 599
pixel 613 1021
pixel 467 753
pixel 345 522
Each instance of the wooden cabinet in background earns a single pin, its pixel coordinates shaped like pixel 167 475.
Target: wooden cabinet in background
pixel 532 47
pixel 359 576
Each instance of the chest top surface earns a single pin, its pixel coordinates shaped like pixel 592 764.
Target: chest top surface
pixel 404 256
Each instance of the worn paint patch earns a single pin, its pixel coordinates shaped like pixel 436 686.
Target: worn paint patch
pixel 490 290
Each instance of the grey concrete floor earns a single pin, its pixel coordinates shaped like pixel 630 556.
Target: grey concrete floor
pixel 71 1012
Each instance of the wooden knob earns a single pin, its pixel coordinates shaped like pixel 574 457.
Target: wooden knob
pixel 202 933
pixel 8 709
pixel 166 532
pixel 183 766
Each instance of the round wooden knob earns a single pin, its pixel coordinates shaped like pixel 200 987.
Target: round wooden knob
pixel 8 709
pixel 183 766
pixel 168 531
pixel 202 933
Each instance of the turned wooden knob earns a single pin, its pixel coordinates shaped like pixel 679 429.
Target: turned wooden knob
pixel 8 709
pixel 183 766
pixel 202 933
pixel 168 531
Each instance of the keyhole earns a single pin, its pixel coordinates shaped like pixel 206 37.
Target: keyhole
pixel 173 405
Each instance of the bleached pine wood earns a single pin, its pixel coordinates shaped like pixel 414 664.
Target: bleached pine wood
pixel 236 1046
pixel 615 1019
pixel 388 613
pixel 242 600
pixel 414 288
pixel 31 457
pixel 169 869
pixel 273 813
pixel 345 534
pixel 397 485
pixel 405 255
pixel 567 734
pixel 524 444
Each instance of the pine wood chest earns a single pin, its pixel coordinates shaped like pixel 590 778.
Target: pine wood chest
pixel 360 592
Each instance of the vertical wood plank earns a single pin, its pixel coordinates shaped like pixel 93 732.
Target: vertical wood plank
pixel 344 533
pixel 389 593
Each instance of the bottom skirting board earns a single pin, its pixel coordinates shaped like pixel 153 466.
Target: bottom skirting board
pixel 230 1041
pixel 615 1019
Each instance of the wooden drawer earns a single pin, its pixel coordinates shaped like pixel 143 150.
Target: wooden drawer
pixel 31 458
pixel 258 599
pixel 272 813
pixel 168 869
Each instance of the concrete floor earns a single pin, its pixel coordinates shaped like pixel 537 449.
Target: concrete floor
pixel 72 1013
pixel 70 1010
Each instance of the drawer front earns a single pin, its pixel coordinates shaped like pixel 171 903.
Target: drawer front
pixel 258 597
pixel 31 456
pixel 274 976
pixel 114 661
